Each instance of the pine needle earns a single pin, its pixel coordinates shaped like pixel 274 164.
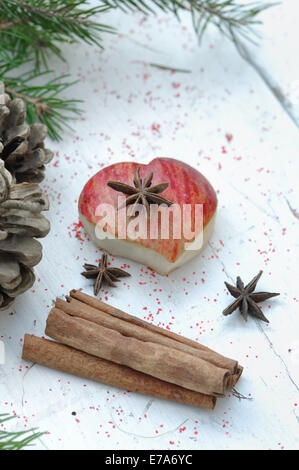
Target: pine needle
pixel 171 69
pixel 16 440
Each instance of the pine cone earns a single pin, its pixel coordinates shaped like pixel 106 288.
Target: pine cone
pixel 22 146
pixel 20 220
pixel 22 165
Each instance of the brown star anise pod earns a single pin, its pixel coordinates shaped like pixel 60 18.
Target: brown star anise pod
pixel 142 192
pixel 102 273
pixel 246 298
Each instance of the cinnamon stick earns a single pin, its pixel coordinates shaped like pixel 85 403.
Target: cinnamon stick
pixel 127 328
pixel 223 361
pixel 69 360
pixel 154 359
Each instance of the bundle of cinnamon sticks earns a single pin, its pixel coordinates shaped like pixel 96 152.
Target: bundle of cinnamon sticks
pixel 99 342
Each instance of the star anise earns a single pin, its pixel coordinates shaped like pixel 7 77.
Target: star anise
pixel 142 192
pixel 246 298
pixel 102 273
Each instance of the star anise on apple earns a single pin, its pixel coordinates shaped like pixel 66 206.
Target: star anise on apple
pixel 102 273
pixel 246 298
pixel 142 192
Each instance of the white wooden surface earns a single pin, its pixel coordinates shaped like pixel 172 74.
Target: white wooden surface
pixel 224 120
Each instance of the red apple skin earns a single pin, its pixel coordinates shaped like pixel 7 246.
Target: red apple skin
pixel 186 186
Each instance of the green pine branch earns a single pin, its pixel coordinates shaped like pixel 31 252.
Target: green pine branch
pixel 38 26
pixel 16 440
pixel 43 101
pixel 31 31
pixel 228 15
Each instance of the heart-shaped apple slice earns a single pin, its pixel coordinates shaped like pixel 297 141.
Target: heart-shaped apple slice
pixel 167 237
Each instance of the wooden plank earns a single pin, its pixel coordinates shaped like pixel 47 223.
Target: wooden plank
pixel 221 119
pixel 276 60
